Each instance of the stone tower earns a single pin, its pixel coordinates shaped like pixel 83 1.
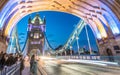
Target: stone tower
pixel 36 29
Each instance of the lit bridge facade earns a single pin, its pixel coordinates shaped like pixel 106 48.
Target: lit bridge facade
pixel 102 16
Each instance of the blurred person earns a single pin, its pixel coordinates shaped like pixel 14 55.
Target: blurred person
pixel 10 60
pixel 31 61
pixel 2 61
pixel 21 64
pixel 33 65
pixel 1 53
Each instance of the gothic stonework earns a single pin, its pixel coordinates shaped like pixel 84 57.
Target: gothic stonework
pixel 36 29
pixel 112 44
pixel 3 45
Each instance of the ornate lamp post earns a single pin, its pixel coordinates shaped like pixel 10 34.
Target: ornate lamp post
pixel 70 50
pixel 77 38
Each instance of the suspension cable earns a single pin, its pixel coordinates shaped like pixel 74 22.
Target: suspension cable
pixel 89 45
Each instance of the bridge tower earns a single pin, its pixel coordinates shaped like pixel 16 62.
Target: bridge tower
pixel 36 29
pixel 109 46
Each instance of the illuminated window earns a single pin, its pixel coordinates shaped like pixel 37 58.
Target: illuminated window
pixel 31 34
pixel 40 35
pixel 35 42
pixel 36 35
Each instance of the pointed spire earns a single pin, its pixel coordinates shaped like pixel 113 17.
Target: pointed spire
pixel 37 19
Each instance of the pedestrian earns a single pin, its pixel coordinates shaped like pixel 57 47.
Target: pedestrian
pixel 31 61
pixel 21 64
pixel 2 61
pixel 33 65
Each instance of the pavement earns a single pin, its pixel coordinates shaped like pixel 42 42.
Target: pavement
pixel 26 70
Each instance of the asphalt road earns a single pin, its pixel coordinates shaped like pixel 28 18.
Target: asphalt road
pixel 52 68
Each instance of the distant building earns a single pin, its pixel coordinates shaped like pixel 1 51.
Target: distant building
pixel 36 29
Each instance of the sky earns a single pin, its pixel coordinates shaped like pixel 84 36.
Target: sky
pixel 59 26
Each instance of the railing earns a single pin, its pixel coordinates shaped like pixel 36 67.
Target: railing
pixel 93 57
pixel 84 57
pixel 12 70
pixel 111 58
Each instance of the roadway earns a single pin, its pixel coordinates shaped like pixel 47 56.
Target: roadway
pixel 55 68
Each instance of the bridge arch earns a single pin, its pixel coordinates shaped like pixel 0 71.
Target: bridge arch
pixel 91 11
pixel 22 8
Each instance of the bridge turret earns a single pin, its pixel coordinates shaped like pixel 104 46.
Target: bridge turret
pixel 37 19
pixel 36 35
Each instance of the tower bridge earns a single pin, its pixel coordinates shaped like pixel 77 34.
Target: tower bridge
pixel 102 16
pixel 96 13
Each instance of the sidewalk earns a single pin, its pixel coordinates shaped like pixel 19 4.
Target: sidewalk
pixel 26 70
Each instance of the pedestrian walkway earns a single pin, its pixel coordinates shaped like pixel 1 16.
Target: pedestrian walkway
pixel 26 70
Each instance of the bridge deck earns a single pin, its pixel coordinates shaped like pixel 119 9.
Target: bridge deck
pixel 54 67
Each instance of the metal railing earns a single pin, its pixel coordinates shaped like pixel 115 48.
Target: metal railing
pixel 110 58
pixel 92 57
pixel 10 70
pixel 84 57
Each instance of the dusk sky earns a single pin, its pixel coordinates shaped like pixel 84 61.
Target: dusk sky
pixel 59 26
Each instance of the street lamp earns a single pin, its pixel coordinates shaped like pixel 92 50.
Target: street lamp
pixel 71 50
pixel 70 47
pixel 77 38
pixel 65 53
